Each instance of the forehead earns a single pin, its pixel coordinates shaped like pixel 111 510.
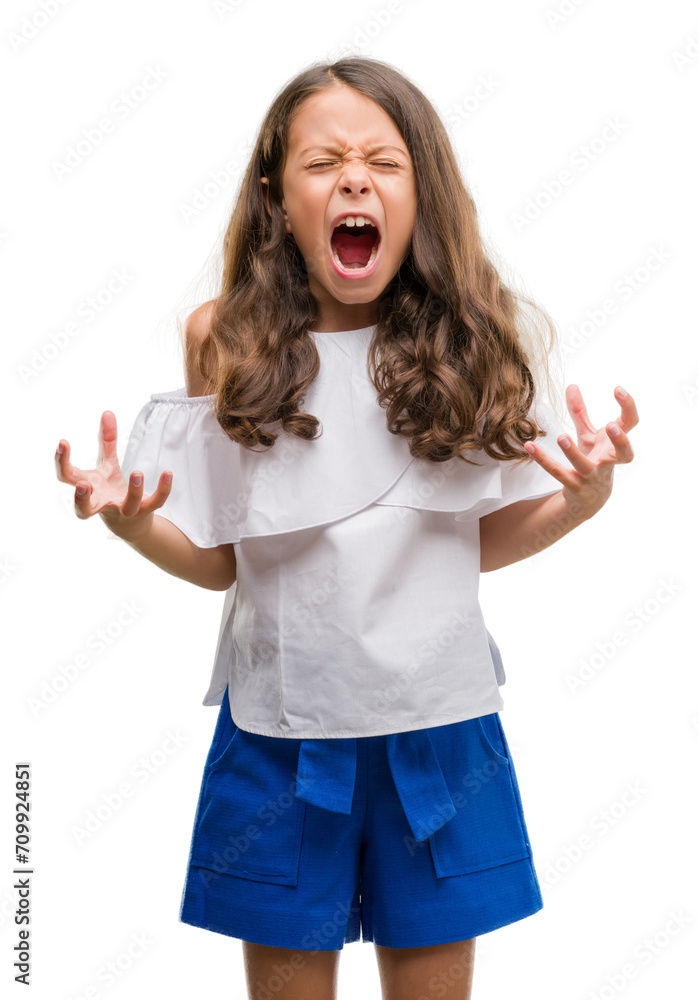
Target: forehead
pixel 342 117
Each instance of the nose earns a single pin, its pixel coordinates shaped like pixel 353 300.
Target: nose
pixel 355 176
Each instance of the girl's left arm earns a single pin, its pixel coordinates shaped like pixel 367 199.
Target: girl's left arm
pixel 521 529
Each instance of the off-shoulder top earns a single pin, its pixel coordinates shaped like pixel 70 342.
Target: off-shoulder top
pixel 355 610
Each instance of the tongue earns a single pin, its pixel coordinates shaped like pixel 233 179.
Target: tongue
pixel 353 251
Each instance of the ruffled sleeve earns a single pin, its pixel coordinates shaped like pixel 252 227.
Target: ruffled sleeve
pixel 179 432
pixel 471 491
pixel 529 480
pixel 223 492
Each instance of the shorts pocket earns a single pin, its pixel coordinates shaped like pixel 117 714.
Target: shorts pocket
pixel 491 733
pixel 250 823
pixel 488 828
pixel 224 733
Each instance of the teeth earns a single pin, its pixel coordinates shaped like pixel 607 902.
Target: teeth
pixel 355 220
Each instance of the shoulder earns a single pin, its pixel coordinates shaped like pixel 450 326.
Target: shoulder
pixel 195 332
pixel 198 324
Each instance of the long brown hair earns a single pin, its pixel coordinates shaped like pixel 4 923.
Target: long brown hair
pixel 451 357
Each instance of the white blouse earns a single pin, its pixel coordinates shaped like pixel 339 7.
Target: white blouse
pixel 355 610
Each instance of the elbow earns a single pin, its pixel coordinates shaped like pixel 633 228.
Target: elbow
pixel 215 567
pixel 226 567
pixel 218 584
pixel 221 580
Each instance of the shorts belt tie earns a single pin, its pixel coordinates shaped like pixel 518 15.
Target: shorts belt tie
pixel 327 774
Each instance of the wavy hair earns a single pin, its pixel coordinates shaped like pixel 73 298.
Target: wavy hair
pixel 451 357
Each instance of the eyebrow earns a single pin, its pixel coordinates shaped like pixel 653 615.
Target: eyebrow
pixel 369 151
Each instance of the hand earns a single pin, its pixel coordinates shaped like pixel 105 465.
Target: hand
pixel 587 486
pixel 120 504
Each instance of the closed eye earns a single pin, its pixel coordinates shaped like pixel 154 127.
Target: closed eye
pixel 325 163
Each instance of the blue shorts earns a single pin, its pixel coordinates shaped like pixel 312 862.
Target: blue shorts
pixel 436 854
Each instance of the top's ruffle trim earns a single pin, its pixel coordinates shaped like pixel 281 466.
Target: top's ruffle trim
pixel 222 492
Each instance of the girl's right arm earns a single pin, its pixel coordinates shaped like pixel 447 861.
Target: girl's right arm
pixel 169 548
pixel 132 517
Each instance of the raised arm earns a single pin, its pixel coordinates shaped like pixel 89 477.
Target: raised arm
pixel 132 517
pixel 524 528
pixel 202 496
pixel 170 549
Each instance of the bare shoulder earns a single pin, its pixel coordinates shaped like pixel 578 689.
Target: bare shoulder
pixel 195 332
pixel 198 323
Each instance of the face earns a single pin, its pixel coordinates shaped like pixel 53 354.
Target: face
pixel 334 168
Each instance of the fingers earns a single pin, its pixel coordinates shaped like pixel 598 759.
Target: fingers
pixel 578 412
pixel 579 461
pixel 134 495
pixel 619 440
pixel 70 474
pixel 628 411
pixel 134 502
pixel 60 460
pixel 162 491
pixel 575 404
pixel 66 472
pixel 106 438
pixel 557 471
pixel 616 429
pixel 83 498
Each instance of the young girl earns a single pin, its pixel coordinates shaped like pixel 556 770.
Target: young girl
pixel 354 444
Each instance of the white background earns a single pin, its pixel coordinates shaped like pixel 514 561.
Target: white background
pixel 617 593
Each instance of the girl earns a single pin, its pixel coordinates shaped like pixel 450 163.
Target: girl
pixel 357 439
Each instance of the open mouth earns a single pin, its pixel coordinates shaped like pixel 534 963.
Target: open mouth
pixel 354 248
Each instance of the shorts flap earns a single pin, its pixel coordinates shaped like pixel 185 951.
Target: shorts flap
pixel 488 828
